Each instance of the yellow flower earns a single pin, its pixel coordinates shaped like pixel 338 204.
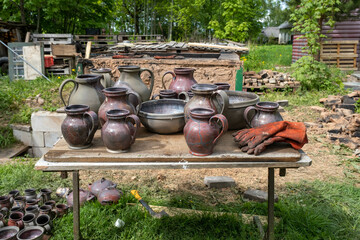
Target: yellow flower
pixel 280 55
pixel 58 77
pixel 263 62
pixel 73 70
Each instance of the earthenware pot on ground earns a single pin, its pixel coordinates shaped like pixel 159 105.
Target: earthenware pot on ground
pixel 44 195
pixel 9 233
pixel 131 75
pixel 86 91
pixel 202 130
pixel 29 219
pixel 182 79
pixel 105 74
pixel 109 195
pixel 50 203
pixel 116 98
pixel 19 201
pixel 2 220
pixel 15 219
pixel 17 209
pixel 99 185
pixel 79 126
pixel 205 96
pixel 165 94
pixel 45 222
pixel 31 202
pixel 13 194
pixel 30 194
pixel 31 233
pixel 265 112
pixel 32 209
pixel 61 209
pixel 84 196
pixel 5 204
pixel 119 132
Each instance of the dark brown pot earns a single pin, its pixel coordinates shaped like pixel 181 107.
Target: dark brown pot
pixel 109 195
pixel 165 94
pixel 19 201
pixel 84 196
pixel 119 132
pixel 9 232
pixel 202 131
pixel 205 96
pixel 32 202
pixel 61 209
pixel 183 79
pixel 96 187
pixel 222 86
pixel 265 112
pixel 5 203
pixel 79 126
pixel 15 219
pixel 116 98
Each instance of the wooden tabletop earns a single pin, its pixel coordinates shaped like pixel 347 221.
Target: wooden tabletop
pixel 151 147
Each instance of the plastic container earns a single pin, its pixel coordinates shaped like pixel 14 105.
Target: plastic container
pixel 49 61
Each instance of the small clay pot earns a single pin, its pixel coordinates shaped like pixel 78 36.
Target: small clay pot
pixel 15 219
pixel 32 202
pixel 51 203
pixel 2 220
pixel 84 196
pixel 13 194
pixel 109 195
pixel 19 201
pixel 31 233
pixel 61 209
pixel 29 219
pixel 45 195
pixel 5 204
pixel 32 209
pixel 165 94
pixel 99 185
pixel 44 221
pixel 17 209
pixel 30 194
pixel 9 232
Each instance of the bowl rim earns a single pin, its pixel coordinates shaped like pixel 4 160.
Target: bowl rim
pixel 161 116
pixel 255 99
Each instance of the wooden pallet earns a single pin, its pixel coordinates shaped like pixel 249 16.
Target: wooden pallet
pixel 342 54
pixel 52 39
pixel 142 38
pixel 97 41
pixel 56 71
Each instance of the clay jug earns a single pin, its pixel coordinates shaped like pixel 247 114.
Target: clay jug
pixel 96 187
pixel 165 94
pixel 79 126
pixel 15 219
pixel 83 197
pixel 265 112
pixel 109 195
pixel 131 75
pixel 86 91
pixel 119 132
pixel 105 74
pixel 183 79
pixel 205 97
pixel 116 98
pixel 202 131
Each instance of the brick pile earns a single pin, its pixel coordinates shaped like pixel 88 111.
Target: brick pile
pixel 269 79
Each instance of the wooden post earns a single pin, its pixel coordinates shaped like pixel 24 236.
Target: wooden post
pixel 88 50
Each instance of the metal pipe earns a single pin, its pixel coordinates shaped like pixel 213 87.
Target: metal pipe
pixel 25 61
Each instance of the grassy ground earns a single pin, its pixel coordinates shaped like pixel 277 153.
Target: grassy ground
pixel 308 210
pixel 267 57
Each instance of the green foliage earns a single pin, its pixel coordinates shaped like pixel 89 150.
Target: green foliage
pixel 357 105
pixel 267 57
pixel 6 137
pixel 276 14
pixel 317 75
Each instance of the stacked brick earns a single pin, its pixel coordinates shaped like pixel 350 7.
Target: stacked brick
pixel 269 79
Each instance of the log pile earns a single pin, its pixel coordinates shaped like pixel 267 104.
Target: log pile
pixel 269 79
pixel 341 120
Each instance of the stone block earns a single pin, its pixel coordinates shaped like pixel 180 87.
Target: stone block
pixel 26 128
pixel 47 121
pixel 38 139
pixel 347 106
pixel 258 195
pixel 23 136
pixel 51 138
pixel 219 181
pixel 40 151
pixel 318 109
pixel 283 103
pixel 348 100
pixel 312 124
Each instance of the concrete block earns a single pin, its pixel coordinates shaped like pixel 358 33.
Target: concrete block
pixel 26 128
pixel 47 121
pixel 40 151
pixel 38 139
pixel 283 103
pixel 23 136
pixel 258 195
pixel 219 181
pixel 51 138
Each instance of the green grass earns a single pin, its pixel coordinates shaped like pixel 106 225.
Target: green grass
pixel 6 137
pixel 308 210
pixel 267 57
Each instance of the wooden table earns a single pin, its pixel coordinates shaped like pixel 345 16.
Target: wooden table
pixel 153 151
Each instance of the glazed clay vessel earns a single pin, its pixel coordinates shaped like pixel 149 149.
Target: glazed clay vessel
pixel 79 126
pixel 9 232
pixel 119 132
pixel 183 79
pixel 5 204
pixel 205 96
pixel 44 221
pixel 84 196
pixel 31 233
pixel 109 195
pixel 116 98
pixel 134 97
pixel 30 194
pixel 105 74
pixel 131 75
pixel 29 219
pixel 15 219
pixel 165 94
pixel 222 86
pixel 61 209
pixel 19 201
pixel 86 91
pixel 96 187
pixel 2 220
pixel 44 195
pixel 202 131
pixel 265 112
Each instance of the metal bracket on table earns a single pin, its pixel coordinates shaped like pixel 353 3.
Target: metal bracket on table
pixel 282 172
pixel 184 164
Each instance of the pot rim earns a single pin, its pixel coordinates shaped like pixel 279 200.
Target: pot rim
pixel 255 99
pixel 203 88
pixel 18 235
pixel 8 228
pixel 100 70
pixel 273 106
pixel 117 113
pixel 203 113
pixel 115 91
pixel 87 78
pixel 76 109
pixel 183 70
pixel 128 68
pixel 161 116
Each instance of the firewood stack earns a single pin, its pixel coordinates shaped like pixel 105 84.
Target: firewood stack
pixel 269 79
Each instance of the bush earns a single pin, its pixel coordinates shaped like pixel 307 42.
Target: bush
pixel 317 75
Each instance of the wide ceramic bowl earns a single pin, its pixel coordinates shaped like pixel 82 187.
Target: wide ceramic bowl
pixel 238 101
pixel 164 116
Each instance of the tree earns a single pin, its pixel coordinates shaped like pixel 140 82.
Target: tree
pixel 276 14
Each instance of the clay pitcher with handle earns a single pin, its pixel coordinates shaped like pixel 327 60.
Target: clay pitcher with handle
pixel 182 79
pixel 265 112
pixel 86 91
pixel 131 75
pixel 79 126
pixel 202 131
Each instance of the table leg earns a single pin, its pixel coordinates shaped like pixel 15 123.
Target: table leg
pixel 76 206
pixel 271 195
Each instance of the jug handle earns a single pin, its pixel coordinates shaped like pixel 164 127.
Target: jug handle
pixel 151 78
pixel 61 89
pixel 225 99
pixel 94 123
pixel 135 121
pixel 224 124
pixel 168 72
pixel 136 95
pixel 186 96
pixel 246 113
pixel 155 96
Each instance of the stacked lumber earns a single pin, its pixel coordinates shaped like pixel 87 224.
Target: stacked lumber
pixel 269 79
